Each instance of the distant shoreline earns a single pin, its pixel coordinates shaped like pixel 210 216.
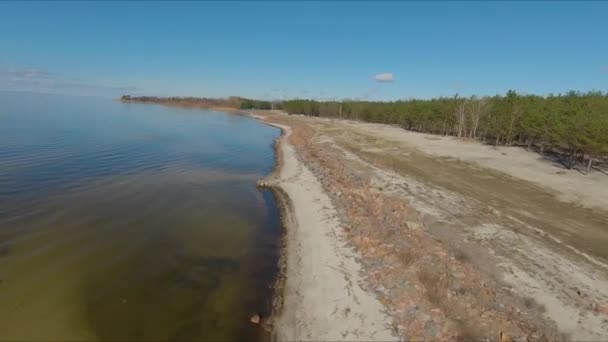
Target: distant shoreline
pixel 230 104
pixel 185 104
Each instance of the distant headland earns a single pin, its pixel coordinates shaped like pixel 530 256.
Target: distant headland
pixel 230 103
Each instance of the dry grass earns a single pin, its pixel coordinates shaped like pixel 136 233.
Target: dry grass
pixel 436 283
pixel 468 332
pixel 408 256
pixel 431 275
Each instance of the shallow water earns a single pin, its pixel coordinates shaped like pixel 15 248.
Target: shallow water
pixel 132 221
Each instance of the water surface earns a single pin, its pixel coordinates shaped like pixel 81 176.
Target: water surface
pixel 131 221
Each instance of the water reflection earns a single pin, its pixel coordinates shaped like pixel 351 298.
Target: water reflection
pixel 180 248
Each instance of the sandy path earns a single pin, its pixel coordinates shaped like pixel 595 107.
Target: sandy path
pixel 548 251
pixel 570 185
pixel 322 296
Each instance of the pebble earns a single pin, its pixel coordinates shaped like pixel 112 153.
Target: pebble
pixel 255 319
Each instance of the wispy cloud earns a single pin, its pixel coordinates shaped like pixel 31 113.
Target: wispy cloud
pixel 26 74
pixel 384 77
pixel 38 79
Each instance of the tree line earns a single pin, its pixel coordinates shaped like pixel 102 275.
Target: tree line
pixel 203 102
pixel 574 125
pixel 255 104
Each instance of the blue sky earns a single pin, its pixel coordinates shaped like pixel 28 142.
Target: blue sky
pixel 303 49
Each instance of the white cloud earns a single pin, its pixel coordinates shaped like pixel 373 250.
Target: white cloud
pixel 37 79
pixel 384 77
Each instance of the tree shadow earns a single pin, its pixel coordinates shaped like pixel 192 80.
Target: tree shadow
pixel 601 168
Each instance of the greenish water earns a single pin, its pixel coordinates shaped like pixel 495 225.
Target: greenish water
pixel 132 222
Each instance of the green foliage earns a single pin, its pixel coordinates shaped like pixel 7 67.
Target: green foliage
pixel 567 123
pixel 255 104
pixel 571 123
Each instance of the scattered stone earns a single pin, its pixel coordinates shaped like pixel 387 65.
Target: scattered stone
pixel 255 319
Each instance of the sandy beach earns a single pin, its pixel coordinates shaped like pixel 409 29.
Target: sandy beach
pixel 322 297
pixel 395 235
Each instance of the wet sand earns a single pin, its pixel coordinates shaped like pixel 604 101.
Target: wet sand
pixel 321 296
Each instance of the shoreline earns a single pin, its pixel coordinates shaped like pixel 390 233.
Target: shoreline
pixel 230 110
pixel 286 219
pixel 283 201
pixel 375 247
pixel 317 293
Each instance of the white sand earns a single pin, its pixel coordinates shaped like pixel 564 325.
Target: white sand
pixel 571 186
pixel 322 296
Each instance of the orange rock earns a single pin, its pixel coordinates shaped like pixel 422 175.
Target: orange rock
pixel 255 319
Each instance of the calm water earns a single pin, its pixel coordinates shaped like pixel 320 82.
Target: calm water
pixel 131 221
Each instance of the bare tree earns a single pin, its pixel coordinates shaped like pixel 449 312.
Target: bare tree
pixel 479 107
pixel 460 117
